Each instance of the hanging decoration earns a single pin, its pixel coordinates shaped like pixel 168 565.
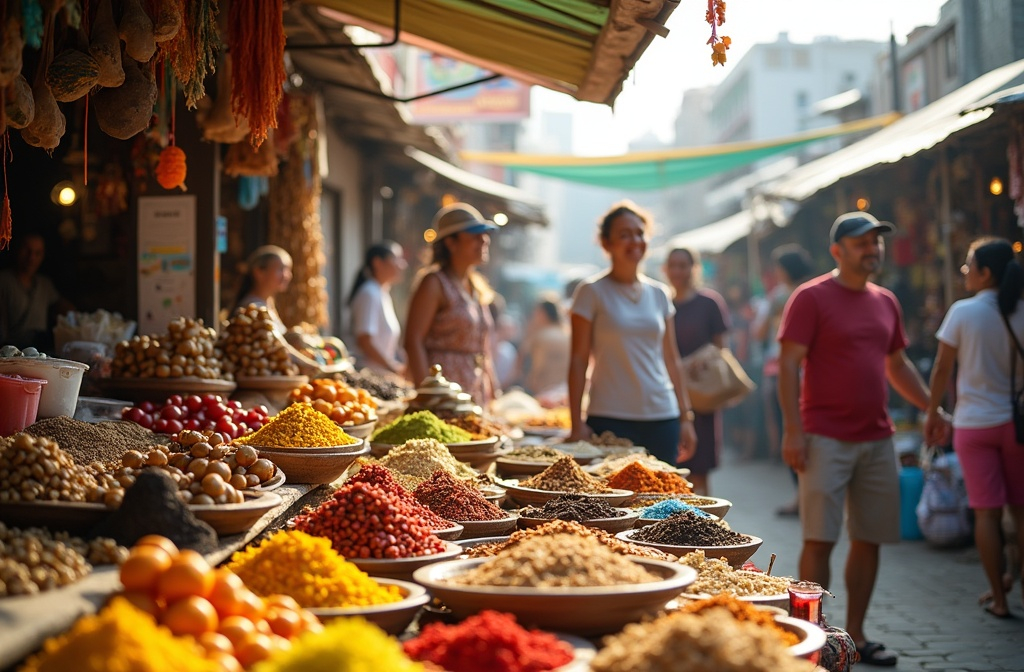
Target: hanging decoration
pixel 105 46
pixel 256 38
pixel 136 31
pixel 48 124
pixel 192 52
pixel 716 17
pixel 32 16
pixel 219 124
pixel 170 167
pixel 11 45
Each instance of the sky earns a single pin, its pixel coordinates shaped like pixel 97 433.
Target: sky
pixel 682 61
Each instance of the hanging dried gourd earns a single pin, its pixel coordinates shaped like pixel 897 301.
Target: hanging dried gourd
pixel 256 38
pixel 192 51
pixel 19 107
pixel 171 169
pixel 136 31
pixel 11 44
pixel 167 19
pixel 105 46
pixel 128 109
pixel 48 124
pixel 71 75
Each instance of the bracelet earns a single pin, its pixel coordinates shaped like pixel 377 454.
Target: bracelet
pixel 688 415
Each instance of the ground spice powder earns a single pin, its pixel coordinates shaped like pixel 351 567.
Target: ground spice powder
pixel 638 478
pixel 420 425
pixel 565 475
pixel 420 458
pixel 450 499
pixel 374 474
pixel 299 426
pixel 569 527
pixel 87 442
pixel 688 529
pixel 491 641
pixel 344 644
pixel 573 507
pixel 741 611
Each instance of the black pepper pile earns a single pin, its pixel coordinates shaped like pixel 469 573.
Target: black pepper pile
pixel 87 442
pixel 688 529
pixel 572 507
pixel 451 499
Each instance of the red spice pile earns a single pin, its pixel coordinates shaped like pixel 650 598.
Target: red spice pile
pixel 381 477
pixel 367 521
pixel 449 498
pixel 638 478
pixel 490 641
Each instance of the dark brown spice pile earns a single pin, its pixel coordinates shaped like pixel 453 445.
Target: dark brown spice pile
pixel 572 507
pixel 565 475
pixel 687 529
pixel 87 442
pixel 443 494
pixel 376 384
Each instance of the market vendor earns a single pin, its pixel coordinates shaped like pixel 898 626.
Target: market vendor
pixel 27 297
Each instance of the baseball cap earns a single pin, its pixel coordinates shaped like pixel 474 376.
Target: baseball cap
pixel 459 217
pixel 855 224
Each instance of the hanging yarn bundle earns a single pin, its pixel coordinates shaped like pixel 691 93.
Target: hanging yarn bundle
pixel 256 38
pixel 171 168
pixel 192 52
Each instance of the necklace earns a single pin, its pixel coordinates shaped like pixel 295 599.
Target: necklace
pixel 634 291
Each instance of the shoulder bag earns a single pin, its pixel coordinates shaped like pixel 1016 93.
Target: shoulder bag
pixel 1016 396
pixel 714 379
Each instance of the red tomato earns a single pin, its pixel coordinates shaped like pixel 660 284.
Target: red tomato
pixel 216 412
pixel 160 426
pixel 253 416
pixel 191 424
pixel 147 421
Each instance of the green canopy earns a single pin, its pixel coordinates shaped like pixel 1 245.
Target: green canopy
pixel 665 168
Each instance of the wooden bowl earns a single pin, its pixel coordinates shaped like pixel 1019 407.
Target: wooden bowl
pixel 309 450
pixel 362 431
pixel 734 555
pixel 475 529
pixel 533 497
pixel 236 518
pixel 393 618
pixel 403 568
pixel 610 525
pixel 449 533
pixel 506 467
pixel 584 611
pixel 313 468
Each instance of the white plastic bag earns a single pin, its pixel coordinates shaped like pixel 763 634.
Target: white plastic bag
pixel 942 511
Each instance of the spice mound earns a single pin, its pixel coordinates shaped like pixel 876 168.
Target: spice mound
pixel 688 529
pixel 479 428
pixel 565 475
pixel 568 527
pixel 556 561
pixel 420 425
pixel 308 569
pixel 366 521
pixel 35 559
pixel 121 633
pixel 710 641
pixel 535 454
pixel 417 459
pixel 716 576
pixel 491 641
pixel 451 499
pixel 638 478
pixel 742 611
pixel 572 507
pixel 86 442
pixel 343 644
pixel 667 507
pixel 376 475
pixel 299 426
pixel 614 462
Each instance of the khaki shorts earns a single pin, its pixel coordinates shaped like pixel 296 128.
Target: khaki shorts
pixel 862 476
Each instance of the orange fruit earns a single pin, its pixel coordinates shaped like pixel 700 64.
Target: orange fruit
pixel 252 606
pixel 192 615
pixel 236 629
pixel 142 602
pixel 215 642
pixel 226 662
pixel 284 622
pixel 226 594
pixel 143 568
pixel 310 623
pixel 286 601
pixel 253 649
pixel 188 575
pixel 159 542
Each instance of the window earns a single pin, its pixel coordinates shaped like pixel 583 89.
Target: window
pixel 773 58
pixel 949 53
pixel 801 58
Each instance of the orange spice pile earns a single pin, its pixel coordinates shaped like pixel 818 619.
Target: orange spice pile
pixel 638 478
pixel 742 611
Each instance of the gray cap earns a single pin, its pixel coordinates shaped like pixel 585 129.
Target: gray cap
pixel 855 224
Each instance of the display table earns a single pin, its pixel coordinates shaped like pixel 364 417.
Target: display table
pixel 26 621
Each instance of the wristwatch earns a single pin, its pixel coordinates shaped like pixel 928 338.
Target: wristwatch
pixel 688 416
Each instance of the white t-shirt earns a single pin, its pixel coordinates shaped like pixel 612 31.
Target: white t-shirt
pixel 976 329
pixel 629 380
pixel 373 313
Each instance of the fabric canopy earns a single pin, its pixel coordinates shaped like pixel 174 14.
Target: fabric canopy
pixel 665 168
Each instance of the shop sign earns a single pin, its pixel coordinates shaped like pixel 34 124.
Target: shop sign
pixel 166 260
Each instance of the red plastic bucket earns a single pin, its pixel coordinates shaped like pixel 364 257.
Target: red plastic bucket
pixel 19 402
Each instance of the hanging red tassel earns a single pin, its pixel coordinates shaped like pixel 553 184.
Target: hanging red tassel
pixel 6 232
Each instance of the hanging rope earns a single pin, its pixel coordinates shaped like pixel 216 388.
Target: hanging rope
pixel 6 232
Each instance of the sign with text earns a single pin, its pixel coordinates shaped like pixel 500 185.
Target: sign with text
pixel 166 259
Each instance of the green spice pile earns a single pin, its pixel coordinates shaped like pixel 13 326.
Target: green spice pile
pixel 612 543
pixel 420 425
pixel 688 529
pixel 565 475
pixel 572 507
pixel 450 499
pixel 535 454
pixel 417 459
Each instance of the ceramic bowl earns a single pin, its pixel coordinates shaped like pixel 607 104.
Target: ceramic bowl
pixel 812 638
pixel 474 529
pixel 362 431
pixel 403 568
pixel 310 450
pixel 718 506
pixel 734 555
pixel 610 525
pixel 644 522
pixel 313 469
pixel 449 533
pixel 393 618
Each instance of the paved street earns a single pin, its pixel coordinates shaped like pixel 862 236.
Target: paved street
pixel 925 603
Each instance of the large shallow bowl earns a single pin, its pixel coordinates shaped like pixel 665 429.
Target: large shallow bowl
pixel 362 431
pixel 450 533
pixel 585 611
pixel 313 469
pixel 236 518
pixel 506 467
pixel 481 461
pixel 812 638
pixel 776 601
pixel 533 497
pixel 610 525
pixel 394 617
pixel 644 522
pixel 403 568
pixel 467 544
pixel 309 450
pixel 734 555
pixel 475 529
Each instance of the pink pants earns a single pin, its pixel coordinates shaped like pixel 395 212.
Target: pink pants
pixel 993 466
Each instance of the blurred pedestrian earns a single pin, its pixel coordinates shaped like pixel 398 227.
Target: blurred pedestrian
pixel 29 299
pixel 268 272
pixel 701 318
pixel 544 353
pixel 837 434
pixel 374 321
pixel 982 336
pixel 623 321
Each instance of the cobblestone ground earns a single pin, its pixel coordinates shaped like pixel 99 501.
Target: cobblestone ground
pixel 925 604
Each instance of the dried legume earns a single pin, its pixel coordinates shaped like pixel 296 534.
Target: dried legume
pixel 34 468
pixel 565 475
pixel 688 529
pixel 490 641
pixel 716 576
pixel 667 507
pixel 568 527
pixel 350 644
pixel 298 426
pixel 378 476
pixel 35 559
pixel 453 500
pixel 309 570
pixel 573 507
pixel 420 425
pixel 742 611
pixel 556 561
pixel 638 478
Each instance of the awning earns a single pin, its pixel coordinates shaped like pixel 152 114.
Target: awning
pixel 585 48
pixel 519 204
pixel 665 168
pixel 914 133
pixel 717 236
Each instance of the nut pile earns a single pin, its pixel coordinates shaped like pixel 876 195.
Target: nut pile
pixel 34 559
pixel 716 576
pixel 687 529
pixel 342 403
pixel 572 507
pixel 565 475
pixel 556 561
pixel 36 469
pixel 188 349
pixel 250 346
pixel 568 527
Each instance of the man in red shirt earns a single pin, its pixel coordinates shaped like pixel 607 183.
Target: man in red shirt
pixel 848 334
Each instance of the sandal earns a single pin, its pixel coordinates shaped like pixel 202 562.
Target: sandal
pixel 873 653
